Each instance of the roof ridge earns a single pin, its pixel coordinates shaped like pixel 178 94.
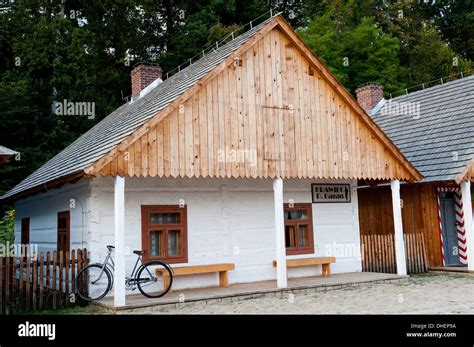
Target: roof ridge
pixel 442 85
pixel 223 41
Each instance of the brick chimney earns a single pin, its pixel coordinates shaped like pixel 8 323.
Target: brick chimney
pixel 142 76
pixel 369 95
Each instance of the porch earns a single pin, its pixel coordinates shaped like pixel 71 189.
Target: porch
pixel 137 303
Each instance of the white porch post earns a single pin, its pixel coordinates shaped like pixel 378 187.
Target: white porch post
pixel 398 226
pixel 468 225
pixel 119 221
pixel 280 233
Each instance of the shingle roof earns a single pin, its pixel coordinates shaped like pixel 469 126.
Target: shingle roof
pixel 117 126
pixel 440 141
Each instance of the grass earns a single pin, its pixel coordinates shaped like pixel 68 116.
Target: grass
pixel 75 310
pixel 68 311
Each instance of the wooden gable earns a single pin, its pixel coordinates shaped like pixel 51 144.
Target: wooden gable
pixel 271 109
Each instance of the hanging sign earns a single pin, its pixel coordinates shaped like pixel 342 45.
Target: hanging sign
pixel 324 193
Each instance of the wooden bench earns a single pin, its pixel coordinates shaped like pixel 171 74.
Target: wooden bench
pixel 324 261
pixel 222 269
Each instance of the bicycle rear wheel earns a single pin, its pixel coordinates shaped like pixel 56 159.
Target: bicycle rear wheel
pixel 154 279
pixel 93 282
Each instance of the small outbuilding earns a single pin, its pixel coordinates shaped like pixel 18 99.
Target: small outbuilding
pixel 434 129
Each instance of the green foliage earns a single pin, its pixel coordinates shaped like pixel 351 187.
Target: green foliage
pixel 455 19
pixel 432 58
pixel 358 54
pixel 7 228
pixel 219 31
pixel 393 43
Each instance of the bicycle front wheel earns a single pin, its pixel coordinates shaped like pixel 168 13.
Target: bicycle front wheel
pixel 154 279
pixel 93 282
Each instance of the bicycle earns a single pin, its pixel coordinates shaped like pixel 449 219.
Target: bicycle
pixel 96 280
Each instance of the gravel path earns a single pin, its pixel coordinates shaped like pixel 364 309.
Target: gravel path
pixel 422 294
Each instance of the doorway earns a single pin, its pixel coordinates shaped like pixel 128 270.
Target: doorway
pixel 64 231
pixel 449 230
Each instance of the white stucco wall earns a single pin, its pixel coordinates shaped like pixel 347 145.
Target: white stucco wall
pixel 43 208
pixel 229 220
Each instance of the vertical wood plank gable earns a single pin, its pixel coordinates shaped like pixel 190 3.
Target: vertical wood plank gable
pixel 265 102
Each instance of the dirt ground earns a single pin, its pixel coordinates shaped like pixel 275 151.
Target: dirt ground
pixel 421 294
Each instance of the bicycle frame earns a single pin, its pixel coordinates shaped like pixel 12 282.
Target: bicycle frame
pixel 131 280
pixel 142 277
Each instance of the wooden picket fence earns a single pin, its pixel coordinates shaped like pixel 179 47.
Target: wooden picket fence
pixel 417 258
pixel 378 253
pixel 44 281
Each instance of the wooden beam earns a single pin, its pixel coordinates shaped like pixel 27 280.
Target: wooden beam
pixel 398 226
pixel 280 248
pixel 466 173
pixel 468 224
pixel 119 231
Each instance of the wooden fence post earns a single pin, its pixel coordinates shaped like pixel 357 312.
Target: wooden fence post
pixel 35 280
pixel 60 290
pixel 28 281
pixel 48 281
pixel 41 282
pixel 66 279
pixel 73 271
pixel 54 282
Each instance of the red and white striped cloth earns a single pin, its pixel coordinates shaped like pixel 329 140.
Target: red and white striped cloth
pixel 440 229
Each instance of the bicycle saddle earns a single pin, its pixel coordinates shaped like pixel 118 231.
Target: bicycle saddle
pixel 109 247
pixel 138 252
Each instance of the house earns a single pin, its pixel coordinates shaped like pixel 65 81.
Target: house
pixel 5 154
pixel 252 149
pixel 434 129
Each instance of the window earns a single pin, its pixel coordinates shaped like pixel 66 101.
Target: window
pixel 25 231
pixel 164 233
pixel 298 229
pixel 64 230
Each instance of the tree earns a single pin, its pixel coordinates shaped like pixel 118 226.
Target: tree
pixel 455 19
pixel 7 226
pixel 404 32
pixel 431 58
pixel 356 55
